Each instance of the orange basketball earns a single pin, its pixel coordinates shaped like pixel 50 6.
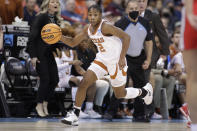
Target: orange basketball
pixel 51 33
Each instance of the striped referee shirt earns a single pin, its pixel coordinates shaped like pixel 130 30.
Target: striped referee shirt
pixel 139 32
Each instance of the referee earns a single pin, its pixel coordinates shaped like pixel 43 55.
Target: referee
pixel 139 53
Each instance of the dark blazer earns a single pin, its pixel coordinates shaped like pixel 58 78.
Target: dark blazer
pixel 158 30
pixel 36 46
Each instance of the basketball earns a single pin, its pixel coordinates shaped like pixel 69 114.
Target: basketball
pixel 51 33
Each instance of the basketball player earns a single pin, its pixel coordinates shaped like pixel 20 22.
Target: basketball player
pixel 112 44
pixel 189 54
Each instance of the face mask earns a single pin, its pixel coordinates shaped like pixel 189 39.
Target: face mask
pixel 134 14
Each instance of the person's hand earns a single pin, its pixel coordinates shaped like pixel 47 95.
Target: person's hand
pixel 34 61
pixel 163 57
pixel 146 64
pixel 76 62
pixel 59 53
pixel 54 54
pixel 177 72
pixel 160 63
pixel 193 20
pixel 122 63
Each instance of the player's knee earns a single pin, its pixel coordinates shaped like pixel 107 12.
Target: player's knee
pixel 102 84
pixel 119 95
pixel 84 83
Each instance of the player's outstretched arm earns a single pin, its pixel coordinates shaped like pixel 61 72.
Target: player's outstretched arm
pixel 72 42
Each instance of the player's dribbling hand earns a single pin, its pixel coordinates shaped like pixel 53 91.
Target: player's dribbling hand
pixel 34 61
pixel 145 64
pixel 122 63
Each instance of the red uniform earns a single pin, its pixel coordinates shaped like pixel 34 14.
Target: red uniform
pixel 190 34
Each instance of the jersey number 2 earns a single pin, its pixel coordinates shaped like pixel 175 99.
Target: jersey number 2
pixel 101 48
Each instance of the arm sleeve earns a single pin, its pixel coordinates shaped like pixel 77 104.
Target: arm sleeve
pixel 162 34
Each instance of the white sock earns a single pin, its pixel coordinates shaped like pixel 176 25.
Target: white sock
pixel 132 93
pixel 77 107
pixel 89 106
pixel 194 127
pixel 74 92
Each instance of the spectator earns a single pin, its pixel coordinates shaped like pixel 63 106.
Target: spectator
pixel 152 6
pixel 115 8
pixel 178 64
pixel 177 10
pixel 163 80
pixel 81 8
pixel 167 20
pixel 41 54
pixel 69 14
pixel 29 13
pixel 62 4
pixel 9 9
pixel 177 26
pixel 106 3
pixel 158 30
pixel 158 6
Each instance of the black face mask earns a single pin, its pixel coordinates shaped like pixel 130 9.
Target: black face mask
pixel 134 14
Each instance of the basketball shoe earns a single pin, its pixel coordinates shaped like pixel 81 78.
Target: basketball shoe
pixel 185 111
pixel 92 114
pixel 71 119
pixel 149 97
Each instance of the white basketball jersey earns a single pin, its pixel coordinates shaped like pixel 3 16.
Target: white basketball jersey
pixel 65 58
pixel 109 47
